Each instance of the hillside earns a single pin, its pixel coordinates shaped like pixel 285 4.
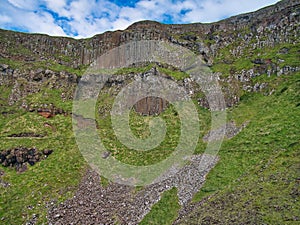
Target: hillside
pixel 254 177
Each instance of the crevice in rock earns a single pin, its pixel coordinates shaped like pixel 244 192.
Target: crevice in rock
pixel 29 134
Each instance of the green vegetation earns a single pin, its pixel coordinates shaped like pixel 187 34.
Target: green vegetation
pixel 268 145
pixel 265 149
pixel 165 211
pixel 257 176
pixel 140 126
pixel 228 64
pixel 50 64
pixel 14 64
pixel 255 181
pixel 50 96
pixel 134 69
pixel 177 75
pixel 54 179
pixel 174 73
pixel 267 193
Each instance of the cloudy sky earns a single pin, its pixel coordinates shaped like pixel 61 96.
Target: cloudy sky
pixel 85 18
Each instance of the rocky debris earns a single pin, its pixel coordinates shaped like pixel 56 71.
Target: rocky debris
pixel 258 61
pixel 2 182
pixel 33 220
pixel 48 113
pixel 187 209
pixel 94 204
pixel 46 110
pixel 229 130
pixel 105 154
pixel 20 157
pixel 287 70
pixel 8 112
pixel 25 82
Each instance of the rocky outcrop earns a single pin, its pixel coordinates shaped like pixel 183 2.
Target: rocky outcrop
pixel 150 106
pixel 21 157
pixel 29 56
pixel 23 83
pixel 265 27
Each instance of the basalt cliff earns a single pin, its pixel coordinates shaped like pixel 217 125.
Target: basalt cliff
pixel 229 47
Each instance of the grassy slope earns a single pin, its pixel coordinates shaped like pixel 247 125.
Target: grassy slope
pixel 264 153
pixel 270 138
pixel 165 211
pixel 55 178
pixel 257 178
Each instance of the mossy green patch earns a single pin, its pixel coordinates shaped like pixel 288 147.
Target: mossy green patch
pixel 165 211
pixel 272 130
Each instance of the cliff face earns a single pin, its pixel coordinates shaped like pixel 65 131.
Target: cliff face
pixel 268 26
pixel 229 47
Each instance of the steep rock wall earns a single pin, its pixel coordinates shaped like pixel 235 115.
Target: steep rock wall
pixel 32 61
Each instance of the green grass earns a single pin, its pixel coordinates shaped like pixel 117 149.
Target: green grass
pixel 228 64
pixel 255 177
pixel 140 127
pixel 165 211
pixel 55 178
pixel 177 75
pixel 134 69
pixel 267 194
pixel 52 65
pixel 14 64
pixel 272 130
pixel 50 96
pixel 5 92
pixel 271 118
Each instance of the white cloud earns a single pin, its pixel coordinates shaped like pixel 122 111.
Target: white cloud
pixel 56 5
pixel 28 20
pixel 24 4
pixel 121 24
pixel 84 18
pixel 5 18
pixel 214 10
pixel 43 23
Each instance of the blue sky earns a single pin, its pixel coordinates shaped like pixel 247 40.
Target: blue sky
pixel 85 18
